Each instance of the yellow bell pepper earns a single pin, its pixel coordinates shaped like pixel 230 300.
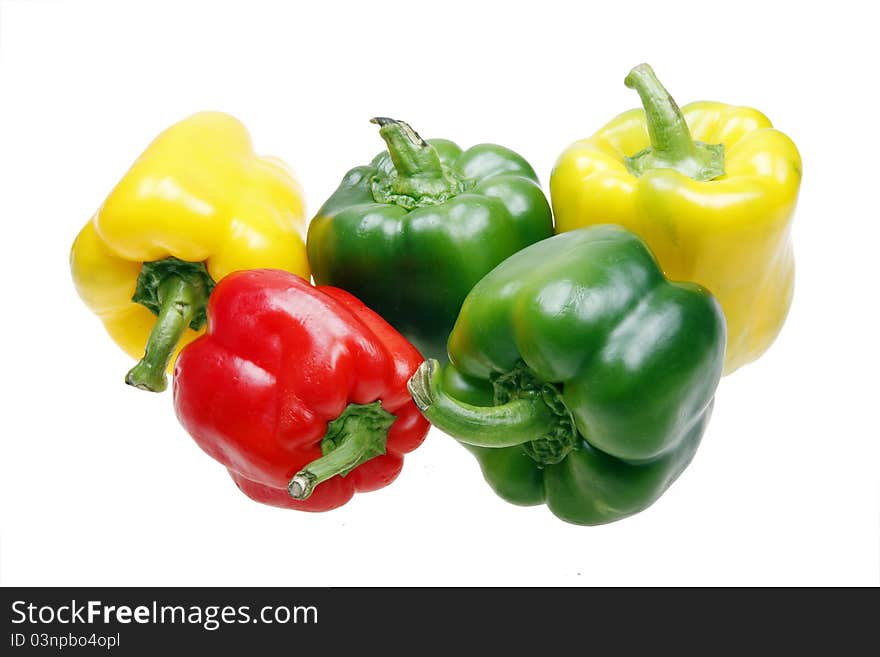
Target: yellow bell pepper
pixel 710 187
pixel 195 206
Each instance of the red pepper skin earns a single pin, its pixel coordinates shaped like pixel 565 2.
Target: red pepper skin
pixel 280 360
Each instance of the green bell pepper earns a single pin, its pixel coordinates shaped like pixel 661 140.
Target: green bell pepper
pixel 411 233
pixel 579 376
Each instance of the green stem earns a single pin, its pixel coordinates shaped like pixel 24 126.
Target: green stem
pixel 412 155
pixel 180 299
pixel 353 438
pixel 670 137
pixel 419 172
pixel 672 146
pixel 177 292
pixel 517 422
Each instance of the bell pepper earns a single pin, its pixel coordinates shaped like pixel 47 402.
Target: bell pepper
pixel 299 391
pixel 414 230
pixel 710 187
pixel 579 376
pixel 196 205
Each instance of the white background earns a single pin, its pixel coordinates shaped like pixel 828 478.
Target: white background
pixel 101 486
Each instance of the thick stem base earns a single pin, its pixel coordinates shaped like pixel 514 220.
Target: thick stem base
pixel 672 146
pixel 527 413
pixel 356 436
pixel 177 292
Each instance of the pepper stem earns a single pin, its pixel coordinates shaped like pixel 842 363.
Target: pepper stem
pixel 411 155
pixel 419 172
pixel 353 438
pixel 180 299
pixel 517 422
pixel 672 146
pixel 177 292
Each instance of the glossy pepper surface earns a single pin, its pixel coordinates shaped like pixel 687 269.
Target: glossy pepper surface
pixel 710 187
pixel 196 205
pixel 412 232
pixel 579 376
pixel 299 391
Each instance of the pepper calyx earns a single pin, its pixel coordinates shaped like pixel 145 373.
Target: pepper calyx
pixel 526 413
pixel 359 434
pixel 177 293
pixel 562 436
pixel 672 146
pixel 419 177
pixel 154 274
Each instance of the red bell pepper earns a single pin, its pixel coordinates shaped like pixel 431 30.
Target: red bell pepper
pixel 299 391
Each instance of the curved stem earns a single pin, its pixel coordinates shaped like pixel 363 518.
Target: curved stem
pixel 412 156
pixel 353 438
pixel 419 177
pixel 672 146
pixel 177 292
pixel 670 137
pixel 517 422
pixel 180 299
